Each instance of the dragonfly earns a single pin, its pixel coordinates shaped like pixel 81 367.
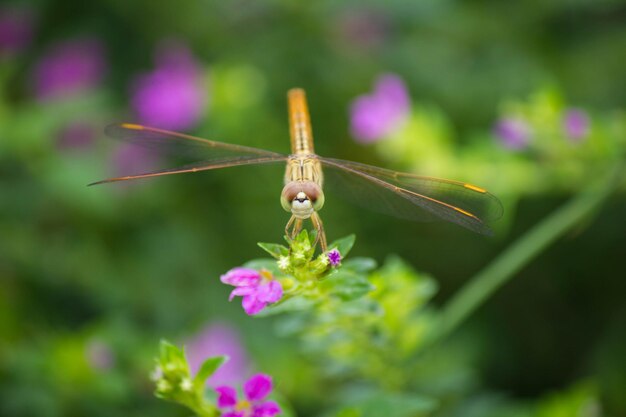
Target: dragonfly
pixel 404 195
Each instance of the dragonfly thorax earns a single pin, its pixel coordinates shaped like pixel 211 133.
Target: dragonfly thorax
pixel 302 198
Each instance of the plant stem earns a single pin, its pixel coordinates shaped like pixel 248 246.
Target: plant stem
pixel 486 282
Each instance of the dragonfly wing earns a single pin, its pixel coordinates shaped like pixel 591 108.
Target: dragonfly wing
pixel 196 167
pixel 413 197
pixel 203 154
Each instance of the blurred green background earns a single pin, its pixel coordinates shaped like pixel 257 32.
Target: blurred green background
pixel 92 277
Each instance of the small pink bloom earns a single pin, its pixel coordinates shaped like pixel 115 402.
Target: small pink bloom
pixel 129 159
pixel 576 125
pixel 241 277
pixel 227 396
pixel 256 389
pixel 172 96
pixel 99 355
pixel 376 115
pixel 16 29
pixel 513 133
pixel 219 339
pixel 258 289
pixel 364 28
pixel 334 257
pixel 77 135
pixel 69 67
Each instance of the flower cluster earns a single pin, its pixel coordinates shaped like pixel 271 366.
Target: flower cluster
pixel 295 271
pixel 256 389
pixel 516 133
pixel 258 288
pixel 175 383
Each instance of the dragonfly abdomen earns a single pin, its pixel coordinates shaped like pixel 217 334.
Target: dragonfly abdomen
pixel 299 123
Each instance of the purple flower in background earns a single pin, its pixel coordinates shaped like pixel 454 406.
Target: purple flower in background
pixel 69 67
pixel 99 355
pixel 334 257
pixel 513 133
pixel 378 114
pixel 256 389
pixel 219 339
pixel 16 29
pixel 77 135
pixel 172 96
pixel 576 124
pixel 258 289
pixel 131 159
pixel 364 28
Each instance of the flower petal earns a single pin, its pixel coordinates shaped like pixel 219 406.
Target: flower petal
pixel 270 292
pixel 266 409
pixel 334 257
pixel 241 291
pixel 226 396
pixel 252 305
pixel 234 414
pixel 241 277
pixel 258 387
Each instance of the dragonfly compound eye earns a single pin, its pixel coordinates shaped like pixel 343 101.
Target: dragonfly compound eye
pixel 314 193
pixel 302 198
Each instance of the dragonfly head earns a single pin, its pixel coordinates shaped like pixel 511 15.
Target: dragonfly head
pixel 302 198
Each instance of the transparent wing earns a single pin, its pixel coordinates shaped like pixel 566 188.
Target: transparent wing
pixel 411 196
pixel 207 154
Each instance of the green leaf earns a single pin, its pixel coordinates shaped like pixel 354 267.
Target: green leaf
pixel 376 403
pixel 349 412
pixel 303 237
pixel 170 353
pixel 343 245
pixel 347 285
pixel 258 264
pixel 290 305
pixel 208 368
pixel 360 265
pixel 274 249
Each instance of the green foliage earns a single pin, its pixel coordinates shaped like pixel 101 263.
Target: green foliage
pixel 355 320
pixel 174 382
pixel 125 265
pixel 343 245
pixel 367 402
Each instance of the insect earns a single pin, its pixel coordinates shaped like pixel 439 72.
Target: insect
pixel 404 195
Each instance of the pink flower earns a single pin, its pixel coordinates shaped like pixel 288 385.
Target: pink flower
pixel 77 135
pixel 16 29
pixel 334 257
pixel 364 28
pixel 256 389
pixel 258 289
pixel 576 125
pixel 69 67
pixel 376 115
pixel 100 355
pixel 219 339
pixel 172 96
pixel 513 133
pixel 130 159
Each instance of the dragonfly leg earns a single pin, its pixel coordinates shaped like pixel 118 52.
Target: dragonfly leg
pixel 297 228
pixel 295 225
pixel 289 223
pixel 319 226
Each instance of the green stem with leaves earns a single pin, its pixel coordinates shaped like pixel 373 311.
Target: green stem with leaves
pixel 486 282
